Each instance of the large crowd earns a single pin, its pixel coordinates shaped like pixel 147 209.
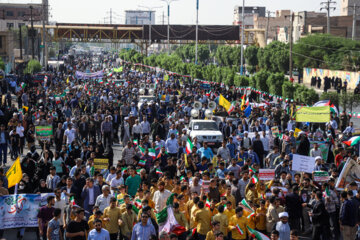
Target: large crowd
pixel 214 193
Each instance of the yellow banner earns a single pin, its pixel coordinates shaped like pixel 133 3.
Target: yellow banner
pixel 224 102
pixel 313 114
pixel 101 163
pixel 296 132
pixel 14 174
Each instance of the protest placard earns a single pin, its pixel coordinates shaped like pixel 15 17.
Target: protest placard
pixel 302 163
pixel 266 174
pixel 321 176
pixel 275 130
pixel 44 132
pixel 101 163
pixel 206 185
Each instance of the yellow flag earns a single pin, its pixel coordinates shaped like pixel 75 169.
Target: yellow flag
pixel 163 97
pixel 14 174
pixel 67 80
pixel 26 108
pixel 296 132
pixel 186 161
pixel 166 77
pixel 225 103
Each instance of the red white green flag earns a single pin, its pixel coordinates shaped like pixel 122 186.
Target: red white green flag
pixel 158 171
pixel 142 150
pixel 142 163
pixel 327 192
pixel 251 169
pixel 138 204
pixel 251 215
pixel 135 142
pixel 246 206
pixel 189 146
pixel 257 235
pixel 254 179
pixel 207 204
pixel 152 153
pixel 238 228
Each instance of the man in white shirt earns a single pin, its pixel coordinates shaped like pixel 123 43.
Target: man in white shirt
pixel 69 134
pixel 60 203
pixel 103 200
pixel 349 129
pixel 136 130
pixel 316 151
pixel 161 196
pixel 116 182
pixel 172 146
pixel 145 127
pixel 266 143
pixel 20 131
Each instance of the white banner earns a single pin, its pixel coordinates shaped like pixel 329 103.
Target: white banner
pixel 21 210
pixel 302 163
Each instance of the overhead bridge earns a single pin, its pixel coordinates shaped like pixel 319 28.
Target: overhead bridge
pixel 216 34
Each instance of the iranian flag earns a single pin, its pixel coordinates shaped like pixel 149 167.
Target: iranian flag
pixel 72 201
pixel 166 219
pixel 142 150
pixel 327 192
pixel 135 142
pixel 23 85
pixel 257 235
pixel 232 107
pixel 142 163
pixel 207 204
pixel 189 146
pixel 251 169
pixel 138 171
pixel 254 179
pixel 101 81
pixel 92 171
pixel 238 228
pixel 152 153
pixel 246 206
pixel 158 171
pixel 251 215
pixel 352 141
pixel 138 204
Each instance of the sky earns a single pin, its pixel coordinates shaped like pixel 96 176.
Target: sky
pixel 216 12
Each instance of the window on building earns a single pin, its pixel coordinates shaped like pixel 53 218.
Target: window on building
pixel 10 25
pixel 9 13
pixel 1 45
pixel 21 14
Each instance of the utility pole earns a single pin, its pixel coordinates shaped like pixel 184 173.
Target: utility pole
pixel 168 26
pixel 328 8
pixel 292 17
pixel 267 26
pixel 353 37
pixel 242 38
pixel 32 33
pixel 197 32
pixel 110 15
pixel 163 18
pixel 20 42
pixel 43 36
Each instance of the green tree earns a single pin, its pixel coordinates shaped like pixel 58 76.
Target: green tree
pixel 334 97
pixel 33 66
pixel 288 90
pixel 349 101
pixel 261 80
pixel 251 59
pixel 275 82
pixel 274 57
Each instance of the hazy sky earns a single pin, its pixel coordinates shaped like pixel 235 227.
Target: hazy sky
pixel 181 12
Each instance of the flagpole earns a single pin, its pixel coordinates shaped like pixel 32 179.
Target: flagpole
pixel 16 189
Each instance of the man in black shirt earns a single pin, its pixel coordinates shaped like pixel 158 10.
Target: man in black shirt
pixel 78 228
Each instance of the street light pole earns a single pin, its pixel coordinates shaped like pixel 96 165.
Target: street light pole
pixel 150 18
pixel 242 39
pixel 168 25
pixel 197 32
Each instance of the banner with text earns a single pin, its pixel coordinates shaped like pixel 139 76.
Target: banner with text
pixel 303 163
pixel 44 132
pixel 313 114
pixel 21 210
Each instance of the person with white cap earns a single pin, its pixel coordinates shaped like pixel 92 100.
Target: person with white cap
pixel 319 166
pixel 283 227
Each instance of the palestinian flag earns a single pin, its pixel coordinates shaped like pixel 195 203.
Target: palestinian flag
pixel 138 204
pixel 238 228
pixel 352 141
pixel 152 153
pixel 254 179
pixel 142 150
pixel 322 103
pixel 189 146
pixel 251 169
pixel 207 204
pixel 246 206
pixel 257 235
pixel 327 192
pixel 142 163
pixel 135 142
pixel 158 171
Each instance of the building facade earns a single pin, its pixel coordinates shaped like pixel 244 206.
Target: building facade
pixel 139 17
pixel 249 14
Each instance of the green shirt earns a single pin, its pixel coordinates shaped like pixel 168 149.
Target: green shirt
pixel 133 184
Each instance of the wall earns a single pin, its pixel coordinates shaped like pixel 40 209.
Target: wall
pixel 353 78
